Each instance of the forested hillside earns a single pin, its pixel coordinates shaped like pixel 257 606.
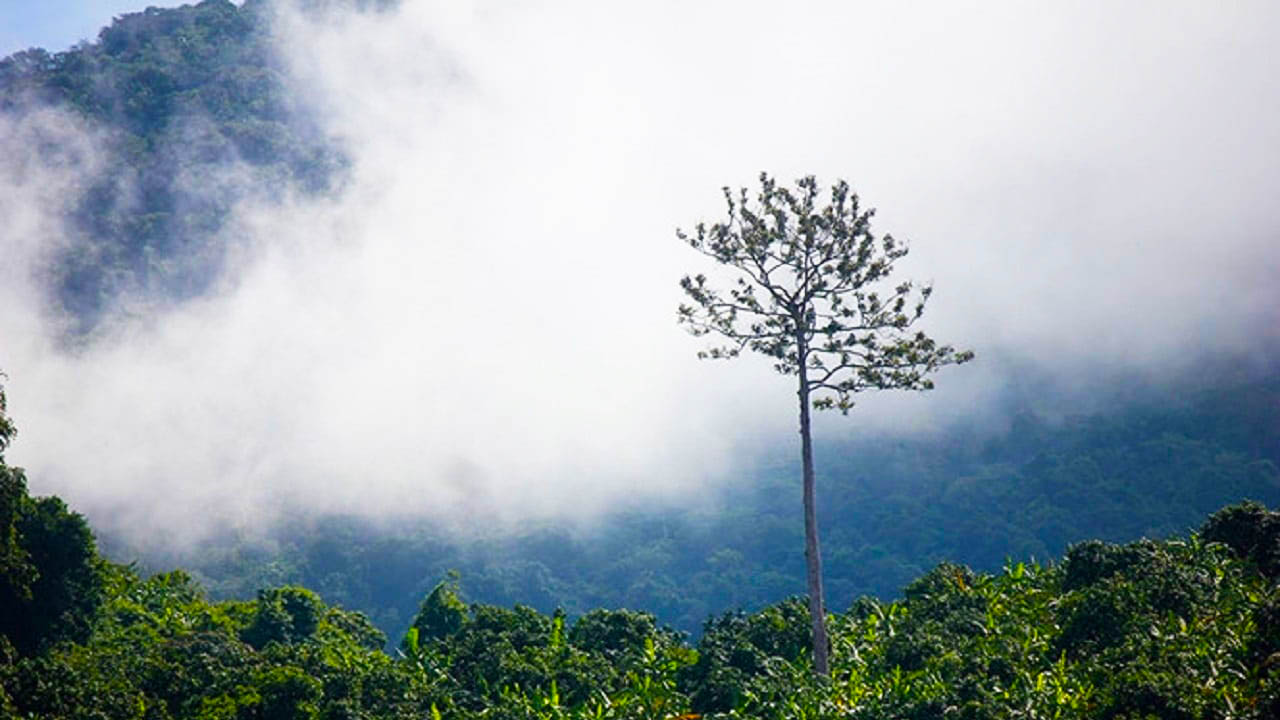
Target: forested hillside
pixel 892 508
pixel 1181 628
pixel 191 115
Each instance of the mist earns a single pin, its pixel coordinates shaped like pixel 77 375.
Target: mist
pixel 480 327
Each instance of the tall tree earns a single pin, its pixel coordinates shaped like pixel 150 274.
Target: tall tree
pixel 810 290
pixel 51 578
pixel 16 570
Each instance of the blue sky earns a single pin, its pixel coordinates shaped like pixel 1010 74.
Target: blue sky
pixel 58 24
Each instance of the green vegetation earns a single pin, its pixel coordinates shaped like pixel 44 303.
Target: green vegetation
pixel 191 115
pixel 1182 628
pixel 1186 628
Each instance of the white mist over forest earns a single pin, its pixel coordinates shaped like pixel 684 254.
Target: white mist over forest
pixel 481 325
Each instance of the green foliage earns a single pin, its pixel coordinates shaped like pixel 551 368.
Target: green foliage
pixel 736 646
pixel 1171 629
pixel 160 649
pixel 287 693
pixel 51 579
pixel 284 615
pixel 357 626
pixel 521 663
pixel 16 571
pixel 441 614
pixel 54 595
pixel 619 635
pixel 1251 531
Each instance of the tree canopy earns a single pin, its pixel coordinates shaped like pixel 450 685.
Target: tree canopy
pixel 811 293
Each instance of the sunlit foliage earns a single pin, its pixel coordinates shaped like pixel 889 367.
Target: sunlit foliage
pixel 1183 628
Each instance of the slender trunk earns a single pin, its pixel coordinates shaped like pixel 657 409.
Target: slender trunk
pixel 812 555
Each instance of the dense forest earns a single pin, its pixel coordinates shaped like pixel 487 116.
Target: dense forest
pixel 1179 628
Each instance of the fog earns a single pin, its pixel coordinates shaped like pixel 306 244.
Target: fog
pixel 481 326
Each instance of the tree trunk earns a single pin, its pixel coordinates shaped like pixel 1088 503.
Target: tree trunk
pixel 812 555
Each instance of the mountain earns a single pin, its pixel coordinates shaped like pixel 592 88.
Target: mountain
pixel 191 115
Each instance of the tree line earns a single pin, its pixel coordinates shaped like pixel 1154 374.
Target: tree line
pixel 1182 628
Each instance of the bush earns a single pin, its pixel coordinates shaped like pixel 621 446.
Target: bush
pixel 1251 531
